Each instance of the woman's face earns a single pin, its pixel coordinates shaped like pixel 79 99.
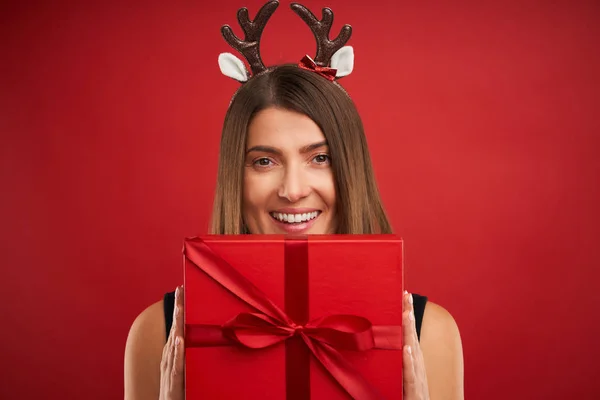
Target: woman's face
pixel 288 181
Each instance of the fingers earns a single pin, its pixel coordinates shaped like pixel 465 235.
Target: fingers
pixel 169 348
pixel 179 312
pixel 178 362
pixel 176 369
pixel 173 357
pixel 409 330
pixel 409 385
pixel 168 345
pixel 411 347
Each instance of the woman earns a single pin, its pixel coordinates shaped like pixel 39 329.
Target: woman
pixel 294 158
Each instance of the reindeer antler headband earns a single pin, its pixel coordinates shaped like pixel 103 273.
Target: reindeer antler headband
pixel 333 59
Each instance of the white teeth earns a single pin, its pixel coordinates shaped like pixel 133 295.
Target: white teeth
pixel 295 218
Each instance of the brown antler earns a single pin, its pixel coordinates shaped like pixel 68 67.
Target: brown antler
pixel 325 47
pixel 250 46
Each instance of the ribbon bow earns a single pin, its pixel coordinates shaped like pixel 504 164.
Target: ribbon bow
pixel 256 330
pixel 309 64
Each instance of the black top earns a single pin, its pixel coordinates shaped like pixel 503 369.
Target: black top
pixel 418 303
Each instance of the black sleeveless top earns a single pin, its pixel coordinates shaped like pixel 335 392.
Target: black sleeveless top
pixel 418 304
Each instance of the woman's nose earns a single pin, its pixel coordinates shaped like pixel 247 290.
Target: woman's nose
pixel 294 185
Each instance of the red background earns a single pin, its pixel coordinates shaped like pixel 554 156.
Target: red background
pixel 481 118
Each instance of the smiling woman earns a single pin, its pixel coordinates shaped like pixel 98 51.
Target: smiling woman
pixel 288 181
pixel 271 129
pixel 294 159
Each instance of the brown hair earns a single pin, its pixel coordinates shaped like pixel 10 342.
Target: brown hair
pixel 358 203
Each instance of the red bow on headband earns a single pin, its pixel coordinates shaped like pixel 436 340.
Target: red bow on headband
pixel 308 64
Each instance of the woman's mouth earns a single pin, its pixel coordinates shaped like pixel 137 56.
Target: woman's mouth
pixel 295 223
pixel 295 218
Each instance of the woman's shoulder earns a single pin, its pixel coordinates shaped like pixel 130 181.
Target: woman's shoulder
pixel 147 332
pixel 143 352
pixel 437 321
pixel 149 320
pixel 441 346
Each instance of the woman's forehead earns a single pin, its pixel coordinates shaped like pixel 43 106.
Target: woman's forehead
pixel 283 128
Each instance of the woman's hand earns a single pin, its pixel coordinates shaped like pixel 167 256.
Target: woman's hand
pixel 414 376
pixel 172 363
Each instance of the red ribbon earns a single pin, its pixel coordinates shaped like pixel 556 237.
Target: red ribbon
pixel 270 325
pixel 308 64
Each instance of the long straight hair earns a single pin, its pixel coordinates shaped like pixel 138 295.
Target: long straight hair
pixel 358 202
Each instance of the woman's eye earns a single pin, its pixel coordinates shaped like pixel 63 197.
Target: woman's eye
pixel 322 159
pixel 262 162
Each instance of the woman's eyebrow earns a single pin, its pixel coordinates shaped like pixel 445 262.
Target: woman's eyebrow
pixel 264 149
pixel 313 146
pixel 273 150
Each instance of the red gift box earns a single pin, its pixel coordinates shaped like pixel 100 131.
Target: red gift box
pixel 295 318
